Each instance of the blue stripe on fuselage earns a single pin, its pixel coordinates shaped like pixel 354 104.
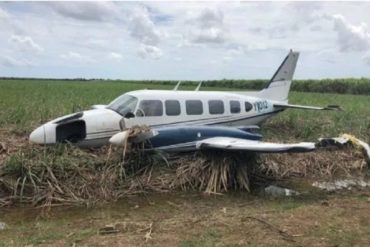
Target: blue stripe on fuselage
pixel 168 136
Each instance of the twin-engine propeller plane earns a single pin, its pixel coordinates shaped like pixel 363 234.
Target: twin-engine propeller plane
pixel 183 120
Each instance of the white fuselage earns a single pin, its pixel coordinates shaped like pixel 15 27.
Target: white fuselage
pixel 201 108
pixel 156 108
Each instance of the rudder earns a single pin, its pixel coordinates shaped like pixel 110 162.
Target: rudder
pixel 279 85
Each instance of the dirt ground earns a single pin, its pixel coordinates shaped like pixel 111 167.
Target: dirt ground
pixel 193 219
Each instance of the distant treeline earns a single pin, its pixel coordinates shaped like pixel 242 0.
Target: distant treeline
pixel 341 86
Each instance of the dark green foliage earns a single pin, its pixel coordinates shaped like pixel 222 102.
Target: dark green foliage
pixel 341 86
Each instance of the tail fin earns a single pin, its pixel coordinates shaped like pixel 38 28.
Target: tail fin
pixel 279 85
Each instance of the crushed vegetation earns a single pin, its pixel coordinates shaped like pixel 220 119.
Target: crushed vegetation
pixel 324 163
pixel 66 175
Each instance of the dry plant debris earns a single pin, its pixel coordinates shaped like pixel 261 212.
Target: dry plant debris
pixel 64 175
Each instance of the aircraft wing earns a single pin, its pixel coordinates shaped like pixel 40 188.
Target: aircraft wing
pixel 329 107
pixel 230 143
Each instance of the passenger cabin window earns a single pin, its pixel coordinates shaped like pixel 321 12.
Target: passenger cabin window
pixel 248 106
pixel 234 106
pixel 150 108
pixel 194 107
pixel 172 107
pixel 216 107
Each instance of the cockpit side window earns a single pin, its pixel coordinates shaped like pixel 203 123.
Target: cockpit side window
pixel 150 108
pixel 123 104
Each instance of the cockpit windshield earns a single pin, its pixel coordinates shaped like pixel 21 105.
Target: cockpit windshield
pixel 123 104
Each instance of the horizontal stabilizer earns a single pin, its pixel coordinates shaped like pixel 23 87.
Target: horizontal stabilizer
pixel 229 143
pixel 329 107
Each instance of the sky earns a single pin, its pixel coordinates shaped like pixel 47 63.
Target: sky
pixel 183 40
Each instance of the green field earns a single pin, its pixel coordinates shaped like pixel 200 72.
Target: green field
pixel 186 219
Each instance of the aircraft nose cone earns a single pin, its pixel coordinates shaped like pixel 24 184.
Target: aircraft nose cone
pixel 119 138
pixel 38 135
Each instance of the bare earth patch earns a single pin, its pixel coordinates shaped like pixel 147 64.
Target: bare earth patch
pixel 199 220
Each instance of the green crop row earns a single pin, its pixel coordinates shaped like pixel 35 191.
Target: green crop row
pixel 340 86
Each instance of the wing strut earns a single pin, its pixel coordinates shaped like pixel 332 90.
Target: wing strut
pixel 177 86
pixel 199 85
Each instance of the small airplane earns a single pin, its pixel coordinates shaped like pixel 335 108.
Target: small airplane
pixel 200 119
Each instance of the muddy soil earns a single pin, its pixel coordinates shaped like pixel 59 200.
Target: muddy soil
pixel 195 219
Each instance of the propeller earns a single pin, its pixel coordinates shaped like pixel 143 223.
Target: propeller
pixel 119 139
pixel 135 134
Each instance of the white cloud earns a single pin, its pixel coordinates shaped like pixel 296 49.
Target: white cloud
pixel 303 13
pixel 25 43
pixel 351 37
pixel 254 35
pixel 8 61
pixel 207 27
pixel 209 18
pixel 148 51
pixel 3 14
pixel 366 58
pixel 97 43
pixel 77 57
pixel 87 11
pixel 226 59
pixel 209 35
pixel 237 50
pixel 115 56
pixel 142 27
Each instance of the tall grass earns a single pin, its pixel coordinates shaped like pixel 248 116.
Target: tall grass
pixel 310 125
